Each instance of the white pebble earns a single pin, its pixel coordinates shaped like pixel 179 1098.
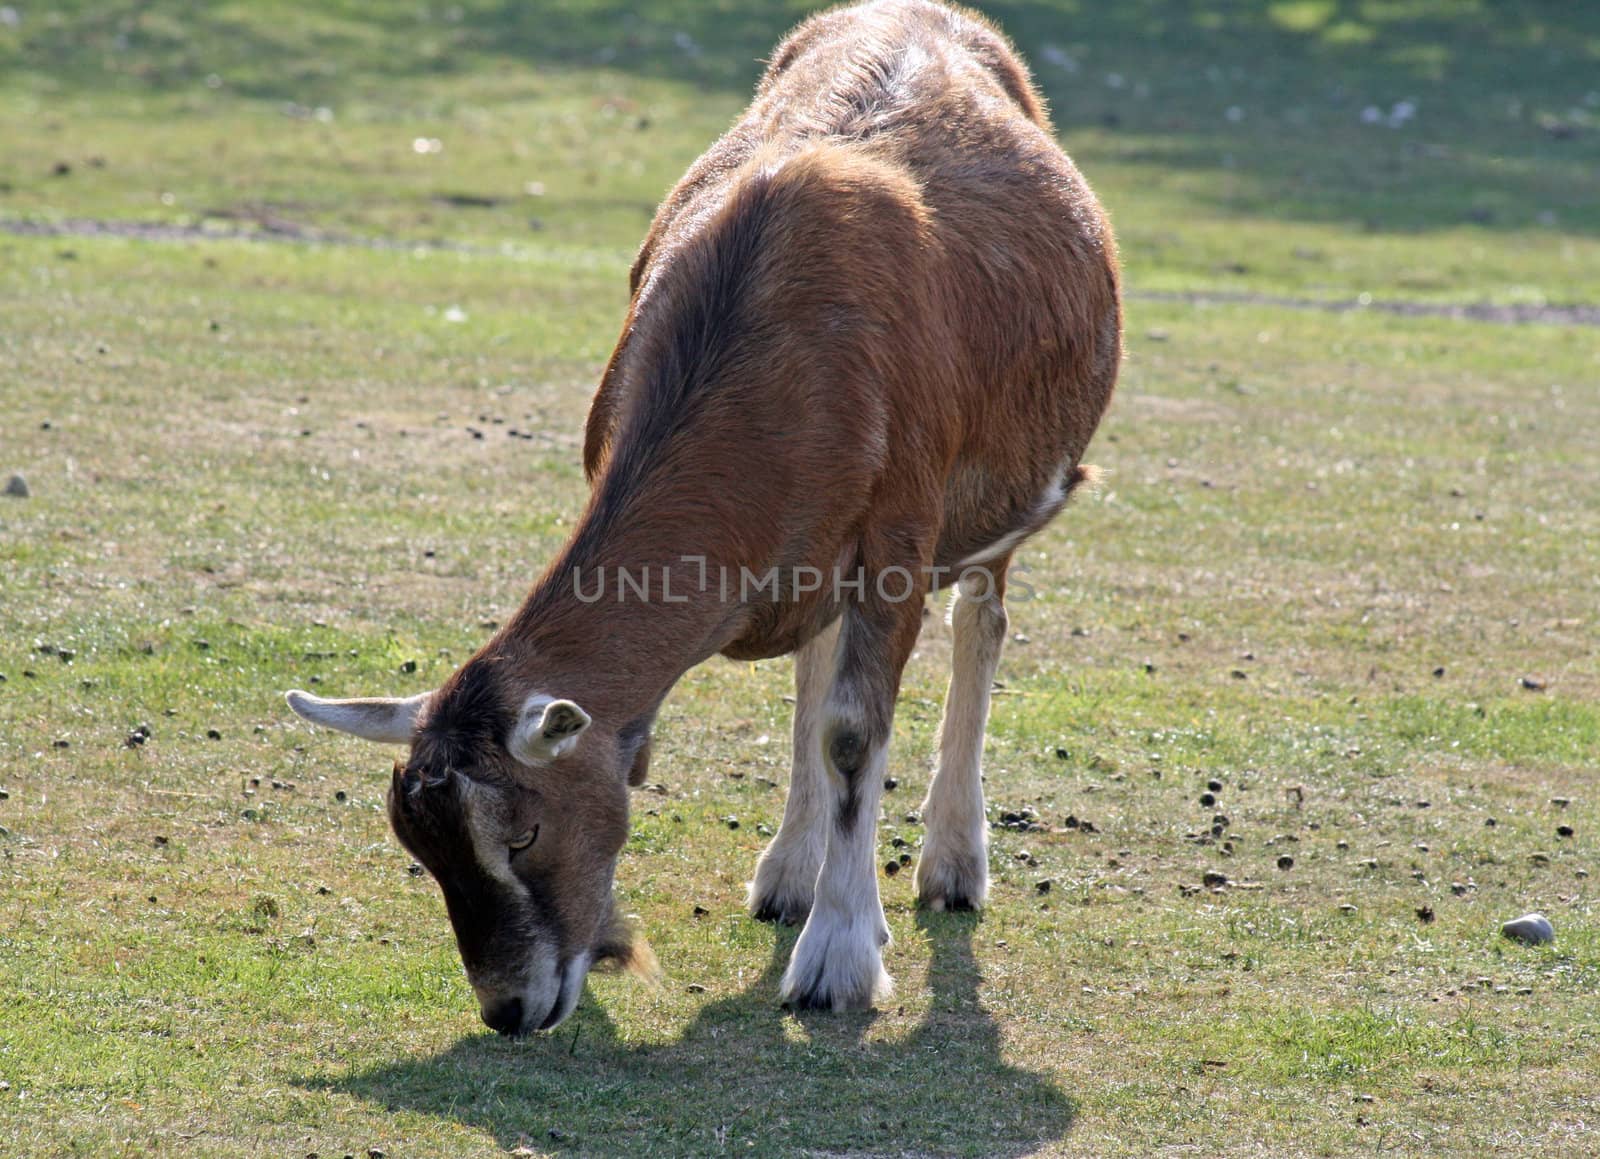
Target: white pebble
pixel 1535 928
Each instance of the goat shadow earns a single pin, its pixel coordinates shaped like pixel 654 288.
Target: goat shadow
pixel 746 1076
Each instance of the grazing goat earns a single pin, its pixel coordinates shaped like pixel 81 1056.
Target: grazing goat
pixel 871 333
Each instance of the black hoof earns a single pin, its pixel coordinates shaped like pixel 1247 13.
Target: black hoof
pixel 775 914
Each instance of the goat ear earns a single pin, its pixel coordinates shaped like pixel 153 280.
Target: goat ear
pixel 547 728
pixel 387 719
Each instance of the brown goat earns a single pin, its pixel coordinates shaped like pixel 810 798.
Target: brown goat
pixel 871 334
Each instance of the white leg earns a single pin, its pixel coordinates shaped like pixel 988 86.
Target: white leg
pixel 786 875
pixel 838 962
pixel 953 872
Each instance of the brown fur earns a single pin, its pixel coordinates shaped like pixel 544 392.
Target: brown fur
pixel 873 325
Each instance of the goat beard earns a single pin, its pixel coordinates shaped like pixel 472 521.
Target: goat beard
pixel 622 947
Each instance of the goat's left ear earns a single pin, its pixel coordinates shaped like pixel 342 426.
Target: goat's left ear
pixel 547 728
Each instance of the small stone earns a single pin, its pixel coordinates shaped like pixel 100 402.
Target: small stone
pixel 731 822
pixel 1534 929
pixel 408 667
pixel 341 796
pixel 890 784
pixel 1214 785
pixel 1564 830
pixel 1533 684
pixel 1214 878
pixel 414 869
pixel 213 734
pixel 1438 671
pixel 1208 800
pixel 1043 886
pixel 1285 862
pixel 1425 914
pixel 700 911
pixel 17 487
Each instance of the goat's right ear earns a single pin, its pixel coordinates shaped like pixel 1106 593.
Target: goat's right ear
pixel 547 728
pixel 386 719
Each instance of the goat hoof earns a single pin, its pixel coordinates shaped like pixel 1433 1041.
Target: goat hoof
pixel 776 912
pixel 952 885
pixel 837 966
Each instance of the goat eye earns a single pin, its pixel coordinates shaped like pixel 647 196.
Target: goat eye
pixel 525 840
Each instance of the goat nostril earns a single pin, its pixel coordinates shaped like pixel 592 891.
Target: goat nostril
pixel 504 1017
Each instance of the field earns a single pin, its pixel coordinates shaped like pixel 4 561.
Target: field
pixel 301 306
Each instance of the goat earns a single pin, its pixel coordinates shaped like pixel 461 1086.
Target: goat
pixel 871 333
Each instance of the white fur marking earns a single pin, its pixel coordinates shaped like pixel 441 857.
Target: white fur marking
pixel 839 952
pixel 547 728
pixel 1044 508
pixel 786 875
pixel 954 863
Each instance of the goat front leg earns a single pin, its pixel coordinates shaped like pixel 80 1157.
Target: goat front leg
pixel 953 871
pixel 786 875
pixel 838 961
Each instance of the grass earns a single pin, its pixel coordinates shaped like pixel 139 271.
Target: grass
pixel 259 472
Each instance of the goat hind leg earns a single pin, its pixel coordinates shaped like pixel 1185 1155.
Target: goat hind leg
pixel 953 872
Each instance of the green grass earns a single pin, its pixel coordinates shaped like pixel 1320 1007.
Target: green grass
pixel 258 473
